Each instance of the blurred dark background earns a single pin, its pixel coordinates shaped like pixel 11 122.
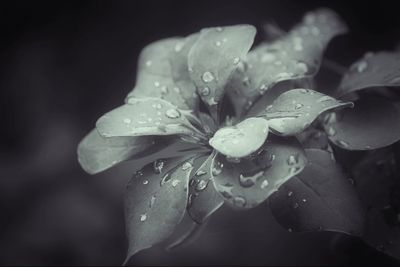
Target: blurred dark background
pixel 65 63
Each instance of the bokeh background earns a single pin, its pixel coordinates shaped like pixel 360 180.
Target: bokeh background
pixel 65 63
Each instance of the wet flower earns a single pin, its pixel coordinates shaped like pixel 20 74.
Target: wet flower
pixel 212 122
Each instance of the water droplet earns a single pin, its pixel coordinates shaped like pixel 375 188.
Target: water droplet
pixel 236 60
pixel 205 91
pixel 216 171
pixel 269 107
pixel 219 29
pixel 292 160
pixel 295 205
pixel 298 106
pixel 324 98
pixel 175 182
pixel 165 179
pixel 362 66
pixel 207 77
pixel 127 120
pixel 218 43
pixel 290 193
pixel 152 200
pixel 164 89
pixel 143 217
pixel 186 166
pixel 178 46
pixel 158 165
pixel 156 84
pixel 268 57
pixel 302 67
pixel 201 185
pixel 304 200
pixel 331 131
pixel 290 230
pixel 264 184
pixel 173 113
pixel 200 173
pixel 145 182
pixel 248 181
pixel 239 201
pixel 149 63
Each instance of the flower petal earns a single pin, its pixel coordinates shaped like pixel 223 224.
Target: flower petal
pixel 295 55
pixel 162 73
pixel 203 199
pixel 215 56
pixel 242 139
pixel 96 153
pixel 320 198
pixel 250 181
pixel 373 123
pixel 144 116
pixel 155 202
pixel 293 111
pixel 373 70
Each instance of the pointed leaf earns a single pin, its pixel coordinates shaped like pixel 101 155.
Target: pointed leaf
pixel 203 199
pixel 320 198
pixel 377 182
pixel 248 182
pixel 296 55
pixel 155 202
pixel 158 77
pixel 295 110
pixel 372 123
pixel 373 70
pixel 214 57
pixel 144 116
pixel 96 153
pixel 242 139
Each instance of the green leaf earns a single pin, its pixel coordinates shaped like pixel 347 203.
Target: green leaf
pixel 296 55
pixel 247 182
pixel 155 202
pixel 215 56
pixel 377 182
pixel 242 139
pixel 163 73
pixel 203 198
pixel 96 153
pixel 144 116
pixel 372 123
pixel 320 198
pixel 373 70
pixel 293 111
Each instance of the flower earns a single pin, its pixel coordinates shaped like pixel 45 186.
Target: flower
pixel 212 122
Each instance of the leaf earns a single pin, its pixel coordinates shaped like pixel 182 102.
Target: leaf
pixel 373 70
pixel 215 56
pixel 203 199
pixel 242 139
pixel 96 153
pixel 247 182
pixel 320 198
pixel 293 111
pixel 155 202
pixel 157 77
pixel 144 116
pixel 373 123
pixel 296 55
pixel 377 183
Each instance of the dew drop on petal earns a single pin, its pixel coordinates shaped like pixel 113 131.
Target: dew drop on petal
pixel 186 166
pixel 207 77
pixel 127 120
pixel 200 173
pixel 158 165
pixel 143 217
pixel 362 66
pixel 205 91
pixel 173 113
pixel 201 185
pixel 290 193
pixel 264 184
pixel 145 182
pixel 298 106
pixel 175 182
pixel 156 84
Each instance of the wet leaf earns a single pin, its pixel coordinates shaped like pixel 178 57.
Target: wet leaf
pixel 157 77
pixel 296 55
pixel 242 139
pixel 247 182
pixel 215 56
pixel 378 185
pixel 144 116
pixel 373 70
pixel 372 123
pixel 203 199
pixel 320 198
pixel 155 202
pixel 295 110
pixel 96 153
